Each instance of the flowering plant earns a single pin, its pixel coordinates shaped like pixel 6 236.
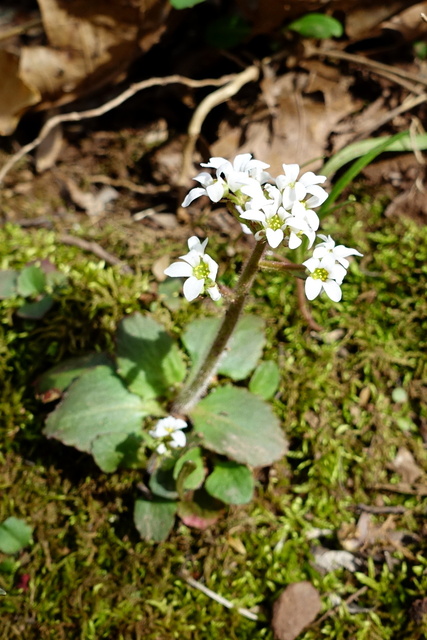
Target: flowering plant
pixel 131 408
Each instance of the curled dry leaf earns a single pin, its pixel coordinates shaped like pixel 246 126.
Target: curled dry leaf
pixel 16 94
pixel 90 46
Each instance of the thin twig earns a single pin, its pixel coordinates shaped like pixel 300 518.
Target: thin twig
pixel 96 249
pixel 401 488
pixel 220 599
pixel 348 601
pixel 376 510
pixel 376 66
pixel 77 116
pixel 251 74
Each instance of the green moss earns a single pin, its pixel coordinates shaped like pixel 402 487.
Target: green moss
pixel 90 576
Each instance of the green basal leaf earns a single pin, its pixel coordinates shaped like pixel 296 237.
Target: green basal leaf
pixel 265 379
pixel 239 360
pixel 62 375
pixel 231 482
pixel 189 470
pixel 31 281
pixel 317 25
pixel 35 310
pixel 8 283
pixel 235 423
pixel 97 415
pixel 154 519
pixel 15 534
pixel 148 358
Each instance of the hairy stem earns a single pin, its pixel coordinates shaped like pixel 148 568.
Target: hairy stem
pixel 191 392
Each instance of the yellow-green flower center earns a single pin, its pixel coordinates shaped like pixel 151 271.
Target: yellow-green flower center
pixel 201 272
pixel 275 222
pixel 320 274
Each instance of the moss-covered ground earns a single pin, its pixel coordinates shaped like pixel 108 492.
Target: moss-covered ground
pixel 87 574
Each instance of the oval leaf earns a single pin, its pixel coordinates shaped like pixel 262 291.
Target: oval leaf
pixel 62 375
pixel 15 534
pixel 154 519
pixel 231 482
pixel 148 358
pixel 239 360
pixel 35 310
pixel 31 281
pixel 234 422
pixel 96 415
pixel 317 25
pixel 8 280
pixel 265 379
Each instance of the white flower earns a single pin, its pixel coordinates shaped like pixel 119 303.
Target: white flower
pixel 243 165
pixel 325 274
pixel 294 189
pixel 339 253
pixel 169 429
pixel 269 214
pixel 199 269
pixel 214 189
pixel 298 227
pixel 229 177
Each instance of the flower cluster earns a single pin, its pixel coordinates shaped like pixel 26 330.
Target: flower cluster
pixel 169 431
pixel 276 210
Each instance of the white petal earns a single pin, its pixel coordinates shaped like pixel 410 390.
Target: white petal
pixel 204 178
pixel 215 191
pixel 214 163
pixel 240 161
pixel 195 244
pixel 192 195
pixel 193 287
pixel 178 439
pixel 311 178
pixel 312 288
pixel 312 219
pixel 294 241
pixel 253 214
pixel 299 191
pixel 291 171
pixel 338 273
pixel 179 270
pixel 311 264
pixel 192 257
pixel 161 449
pixel 214 293
pixel 213 267
pixel 318 196
pixel 246 229
pixel 343 252
pixel 274 238
pixel 332 290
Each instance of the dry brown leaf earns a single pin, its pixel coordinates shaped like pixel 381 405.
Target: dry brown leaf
pixel 90 45
pixel 16 94
pixel 301 126
pixel 296 608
